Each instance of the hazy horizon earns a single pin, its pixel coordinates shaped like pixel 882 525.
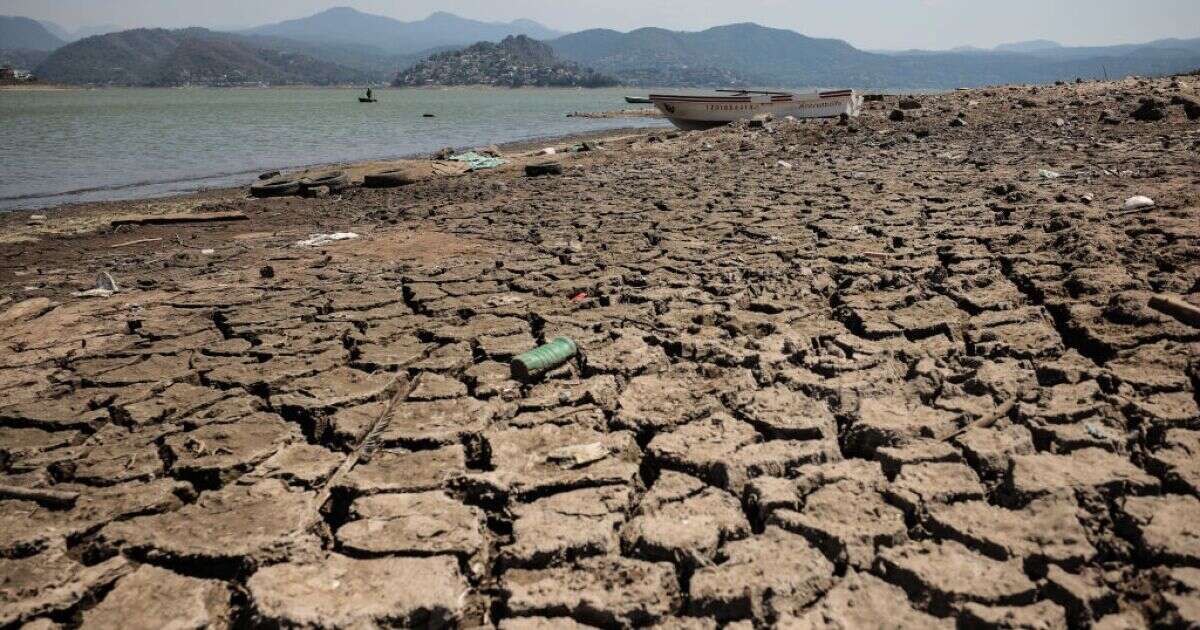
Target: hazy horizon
pixel 892 24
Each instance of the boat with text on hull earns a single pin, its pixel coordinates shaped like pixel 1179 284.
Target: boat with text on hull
pixel 692 112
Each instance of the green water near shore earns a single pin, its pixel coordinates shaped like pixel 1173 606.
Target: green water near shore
pixel 91 145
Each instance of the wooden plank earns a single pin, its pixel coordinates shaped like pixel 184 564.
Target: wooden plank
pixel 1181 310
pixel 172 219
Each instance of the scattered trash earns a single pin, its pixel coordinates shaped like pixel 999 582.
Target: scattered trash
pixel 578 455
pixel 1058 122
pixel 1047 174
pixel 786 165
pixel 105 286
pixel 582 296
pixel 547 151
pixel 477 161
pixel 1138 202
pixel 317 240
pixel 1095 431
pixel 544 358
pixel 208 251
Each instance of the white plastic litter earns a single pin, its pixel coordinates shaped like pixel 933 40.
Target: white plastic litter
pixel 105 286
pixel 1139 202
pixel 317 240
pixel 547 151
pixel 1048 174
pixel 787 165
pixel 208 252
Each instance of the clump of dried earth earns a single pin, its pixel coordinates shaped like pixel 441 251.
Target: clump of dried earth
pixel 775 423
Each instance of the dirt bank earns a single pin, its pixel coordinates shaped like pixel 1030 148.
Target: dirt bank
pixel 916 368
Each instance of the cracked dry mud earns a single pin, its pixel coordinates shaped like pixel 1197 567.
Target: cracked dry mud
pixel 772 424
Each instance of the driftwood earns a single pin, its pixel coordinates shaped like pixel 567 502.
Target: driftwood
pixel 137 242
pixel 985 421
pixel 171 219
pixel 45 496
pixel 1185 312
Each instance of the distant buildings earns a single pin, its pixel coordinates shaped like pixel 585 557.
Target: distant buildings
pixel 10 76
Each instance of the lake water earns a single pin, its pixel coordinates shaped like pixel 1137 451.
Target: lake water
pixel 61 147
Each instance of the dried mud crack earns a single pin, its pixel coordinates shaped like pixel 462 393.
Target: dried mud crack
pixel 910 378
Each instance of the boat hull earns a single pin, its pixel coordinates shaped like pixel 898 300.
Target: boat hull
pixel 705 112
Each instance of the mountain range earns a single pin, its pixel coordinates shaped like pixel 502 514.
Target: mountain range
pixel 346 26
pixel 79 33
pixel 161 57
pixel 21 33
pixel 346 46
pixel 750 54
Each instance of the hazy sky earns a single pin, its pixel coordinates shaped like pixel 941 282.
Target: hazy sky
pixel 864 23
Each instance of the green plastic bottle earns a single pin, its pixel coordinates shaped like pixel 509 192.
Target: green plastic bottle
pixel 544 358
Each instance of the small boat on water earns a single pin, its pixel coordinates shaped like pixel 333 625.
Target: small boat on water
pixel 638 100
pixel 363 99
pixel 704 112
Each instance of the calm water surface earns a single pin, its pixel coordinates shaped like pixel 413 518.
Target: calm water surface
pixel 91 145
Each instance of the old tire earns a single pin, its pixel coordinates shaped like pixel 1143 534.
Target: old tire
pixel 335 181
pixel 275 188
pixel 389 179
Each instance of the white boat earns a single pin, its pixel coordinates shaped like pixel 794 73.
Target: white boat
pixel 705 112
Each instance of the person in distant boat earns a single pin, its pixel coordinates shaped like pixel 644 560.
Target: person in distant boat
pixel 369 94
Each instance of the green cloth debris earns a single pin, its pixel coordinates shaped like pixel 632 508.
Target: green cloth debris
pixel 478 162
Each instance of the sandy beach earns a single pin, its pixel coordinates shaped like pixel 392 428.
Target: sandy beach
pixel 934 365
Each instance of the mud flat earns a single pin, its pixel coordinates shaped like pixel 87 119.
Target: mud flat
pixel 835 375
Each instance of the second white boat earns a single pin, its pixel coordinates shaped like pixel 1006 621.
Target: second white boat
pixel 704 112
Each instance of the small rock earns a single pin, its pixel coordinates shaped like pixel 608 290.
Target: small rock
pixel 896 116
pixel 547 168
pixel 267 272
pixel 1151 110
pixel 579 455
pixel 1058 122
pixel 1108 118
pixel 958 122
pixel 1048 174
pixel 909 103
pixel 1191 108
